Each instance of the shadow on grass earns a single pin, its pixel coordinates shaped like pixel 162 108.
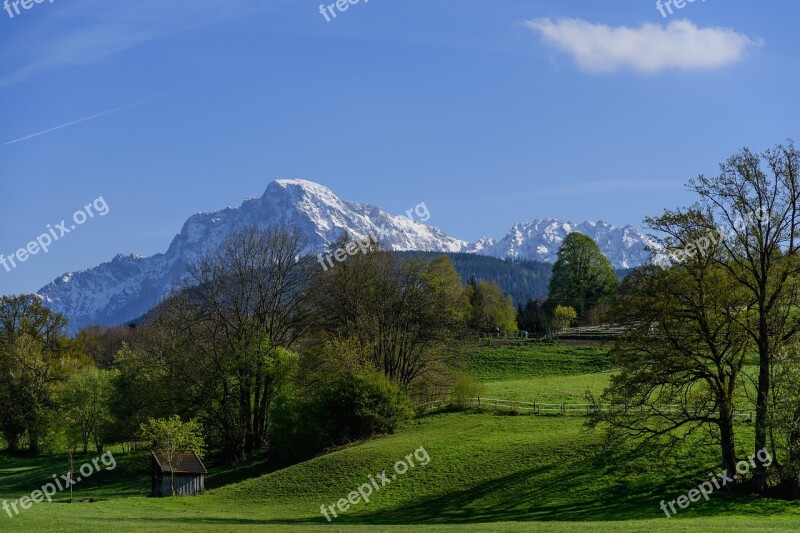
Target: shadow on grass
pixel 185 522
pixel 221 474
pixel 20 475
pixel 551 493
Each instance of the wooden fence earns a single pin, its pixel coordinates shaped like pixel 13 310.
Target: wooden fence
pixel 537 408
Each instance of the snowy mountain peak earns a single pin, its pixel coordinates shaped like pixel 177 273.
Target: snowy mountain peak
pixel 625 247
pixel 130 285
pixel 305 186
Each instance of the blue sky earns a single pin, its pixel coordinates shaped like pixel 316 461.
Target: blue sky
pixel 490 112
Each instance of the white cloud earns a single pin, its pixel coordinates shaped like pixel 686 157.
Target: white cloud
pixel 650 48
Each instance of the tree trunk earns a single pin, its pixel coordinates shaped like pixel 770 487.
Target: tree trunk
pixel 13 443
pixel 33 444
pixel 266 401
pixel 728 443
pixel 794 455
pixel 258 394
pixel 246 411
pixel 760 476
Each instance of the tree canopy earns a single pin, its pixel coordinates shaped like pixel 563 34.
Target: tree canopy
pixel 582 276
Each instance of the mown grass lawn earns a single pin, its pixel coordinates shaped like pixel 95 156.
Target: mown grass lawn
pixel 487 472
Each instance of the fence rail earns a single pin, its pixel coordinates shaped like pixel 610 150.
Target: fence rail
pixel 537 408
pixel 604 330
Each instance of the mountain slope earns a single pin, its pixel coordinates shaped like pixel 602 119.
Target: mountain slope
pixel 128 286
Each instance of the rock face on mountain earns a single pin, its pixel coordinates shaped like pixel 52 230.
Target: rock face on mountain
pixel 128 286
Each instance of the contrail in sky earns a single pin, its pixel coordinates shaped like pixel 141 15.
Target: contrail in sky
pixel 92 117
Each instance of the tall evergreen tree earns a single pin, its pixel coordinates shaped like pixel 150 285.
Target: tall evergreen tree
pixel 582 276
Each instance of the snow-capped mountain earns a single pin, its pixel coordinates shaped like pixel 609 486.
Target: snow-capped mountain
pixel 540 240
pixel 129 286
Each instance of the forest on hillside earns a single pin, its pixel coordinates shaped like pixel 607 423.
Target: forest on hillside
pixel 523 280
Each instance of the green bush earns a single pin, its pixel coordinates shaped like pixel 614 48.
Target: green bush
pixel 363 403
pixel 464 389
pixel 353 404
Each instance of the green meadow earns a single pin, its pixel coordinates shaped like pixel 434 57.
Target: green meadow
pixel 488 471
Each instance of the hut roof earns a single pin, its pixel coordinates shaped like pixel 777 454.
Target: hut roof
pixel 182 463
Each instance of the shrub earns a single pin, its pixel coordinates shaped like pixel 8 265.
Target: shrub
pixel 563 317
pixel 353 404
pixel 464 389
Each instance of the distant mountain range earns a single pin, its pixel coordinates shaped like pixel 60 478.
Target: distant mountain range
pixel 130 285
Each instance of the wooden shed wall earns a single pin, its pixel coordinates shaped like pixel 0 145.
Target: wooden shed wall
pixel 185 484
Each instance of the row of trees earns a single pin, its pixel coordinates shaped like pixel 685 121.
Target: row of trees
pixel 717 331
pixel 260 345
pixel 41 369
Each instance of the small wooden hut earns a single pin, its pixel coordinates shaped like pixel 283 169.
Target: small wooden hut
pixel 184 469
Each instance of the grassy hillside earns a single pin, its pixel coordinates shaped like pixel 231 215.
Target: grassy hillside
pixel 532 359
pixel 487 472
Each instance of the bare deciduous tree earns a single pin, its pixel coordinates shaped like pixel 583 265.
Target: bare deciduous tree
pixel 225 335
pixel 403 314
